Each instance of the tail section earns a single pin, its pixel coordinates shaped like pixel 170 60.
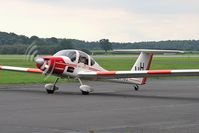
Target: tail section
pixel 144 60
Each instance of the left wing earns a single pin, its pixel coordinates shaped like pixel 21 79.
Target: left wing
pixel 138 74
pixel 21 69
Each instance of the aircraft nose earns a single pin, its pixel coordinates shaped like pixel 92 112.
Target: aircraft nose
pixel 39 61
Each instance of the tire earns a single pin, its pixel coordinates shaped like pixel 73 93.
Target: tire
pixel 136 88
pixel 85 92
pixel 50 91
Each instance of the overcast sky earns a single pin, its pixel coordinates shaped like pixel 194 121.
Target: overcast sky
pixel 91 20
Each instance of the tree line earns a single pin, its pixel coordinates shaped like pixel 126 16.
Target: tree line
pixel 11 43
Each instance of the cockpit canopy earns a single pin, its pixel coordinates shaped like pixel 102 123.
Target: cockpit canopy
pixel 76 56
pixel 71 54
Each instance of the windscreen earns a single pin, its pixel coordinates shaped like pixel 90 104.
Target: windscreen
pixel 71 54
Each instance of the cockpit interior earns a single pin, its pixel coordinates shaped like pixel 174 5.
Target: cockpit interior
pixel 77 56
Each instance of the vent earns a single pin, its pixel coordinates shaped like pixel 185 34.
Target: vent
pixel 70 69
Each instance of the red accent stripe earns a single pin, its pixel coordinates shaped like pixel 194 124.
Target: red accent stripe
pixel 109 73
pixel 66 64
pixel 148 66
pixel 150 60
pixel 159 72
pixel 93 69
pixel 34 70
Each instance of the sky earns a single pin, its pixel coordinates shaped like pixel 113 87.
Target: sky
pixel 92 20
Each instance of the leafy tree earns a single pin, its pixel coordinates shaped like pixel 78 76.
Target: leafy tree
pixel 86 51
pixel 105 45
pixel 39 42
pixel 53 40
pixel 33 38
pixel 66 44
pixel 11 43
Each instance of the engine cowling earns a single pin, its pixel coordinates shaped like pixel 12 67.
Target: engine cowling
pixel 51 65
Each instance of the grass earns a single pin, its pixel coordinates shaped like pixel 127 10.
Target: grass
pixel 120 63
pixel 157 63
pixel 8 77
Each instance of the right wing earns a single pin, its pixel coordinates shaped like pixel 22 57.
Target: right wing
pixel 138 74
pixel 21 69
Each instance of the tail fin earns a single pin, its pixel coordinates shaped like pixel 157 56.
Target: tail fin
pixel 144 60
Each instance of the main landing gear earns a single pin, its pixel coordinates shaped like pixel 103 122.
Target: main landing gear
pixel 85 89
pixel 51 88
pixel 136 87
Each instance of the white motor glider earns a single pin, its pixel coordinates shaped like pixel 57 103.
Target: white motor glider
pixel 79 65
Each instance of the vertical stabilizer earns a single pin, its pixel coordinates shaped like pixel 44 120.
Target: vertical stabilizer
pixel 143 62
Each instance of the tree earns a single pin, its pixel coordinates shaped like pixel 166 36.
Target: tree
pixel 52 40
pixel 66 44
pixel 33 38
pixel 86 51
pixel 105 45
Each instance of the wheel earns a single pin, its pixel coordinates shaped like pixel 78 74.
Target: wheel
pixel 85 92
pixel 50 91
pixel 136 88
pixel 50 88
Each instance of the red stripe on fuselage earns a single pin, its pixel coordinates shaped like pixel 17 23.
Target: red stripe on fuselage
pixel 75 66
pixel 93 69
pixel 66 64
pixel 153 72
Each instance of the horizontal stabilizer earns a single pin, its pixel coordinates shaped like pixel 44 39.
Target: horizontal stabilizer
pixel 153 51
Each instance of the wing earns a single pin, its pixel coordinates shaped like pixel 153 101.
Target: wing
pixel 138 74
pixel 21 69
pixel 154 51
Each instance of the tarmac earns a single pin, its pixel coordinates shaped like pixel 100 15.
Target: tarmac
pixel 166 106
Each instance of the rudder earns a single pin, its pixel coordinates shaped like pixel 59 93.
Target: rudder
pixel 143 62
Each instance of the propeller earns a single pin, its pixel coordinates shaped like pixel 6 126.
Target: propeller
pixel 47 65
pixel 31 52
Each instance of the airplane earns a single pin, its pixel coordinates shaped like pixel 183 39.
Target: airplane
pixel 79 65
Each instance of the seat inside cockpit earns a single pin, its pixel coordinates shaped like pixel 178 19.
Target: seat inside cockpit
pixel 73 56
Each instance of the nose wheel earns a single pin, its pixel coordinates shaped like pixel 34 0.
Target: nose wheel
pixel 85 92
pixel 51 88
pixel 50 91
